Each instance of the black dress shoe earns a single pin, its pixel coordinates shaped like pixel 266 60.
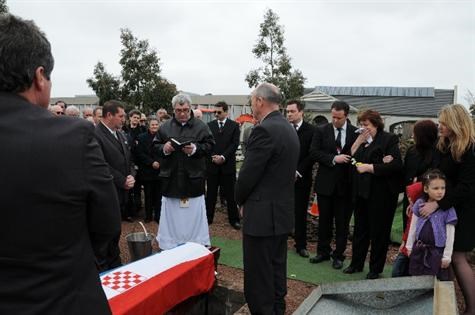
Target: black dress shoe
pixel 236 225
pixel 372 275
pixel 303 252
pixel 337 264
pixel 318 259
pixel 350 269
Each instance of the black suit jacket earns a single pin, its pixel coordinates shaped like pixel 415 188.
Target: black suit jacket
pixel 227 142
pixel 331 178
pixel 265 185
pixel 144 157
pixel 117 155
pixel 55 211
pixel 306 161
pixel 387 175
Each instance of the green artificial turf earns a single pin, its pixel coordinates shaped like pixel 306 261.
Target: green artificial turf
pixel 298 267
pixel 396 231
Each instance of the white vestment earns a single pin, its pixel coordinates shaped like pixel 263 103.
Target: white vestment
pixel 179 225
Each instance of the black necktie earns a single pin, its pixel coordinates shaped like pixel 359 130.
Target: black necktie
pixel 338 140
pixel 221 125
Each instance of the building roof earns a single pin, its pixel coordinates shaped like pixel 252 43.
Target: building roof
pixel 77 100
pixel 395 101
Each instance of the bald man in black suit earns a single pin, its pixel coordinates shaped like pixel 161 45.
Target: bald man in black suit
pixel 265 192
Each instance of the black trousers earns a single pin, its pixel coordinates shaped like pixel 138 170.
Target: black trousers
pixel 153 198
pixel 226 182
pixel 373 221
pixel 265 273
pixel 302 195
pixel 338 209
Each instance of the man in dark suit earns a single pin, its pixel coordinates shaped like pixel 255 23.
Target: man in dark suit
pixel 117 155
pixel 55 192
pixel 132 131
pixel 303 176
pixel 331 146
pixel 221 168
pixel 265 192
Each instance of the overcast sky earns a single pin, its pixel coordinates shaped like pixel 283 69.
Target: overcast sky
pixel 205 46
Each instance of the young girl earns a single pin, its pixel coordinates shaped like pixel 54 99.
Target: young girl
pixel 430 240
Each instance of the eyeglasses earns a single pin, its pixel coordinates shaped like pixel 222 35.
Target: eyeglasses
pixel 182 110
pixel 59 113
pixel 142 120
pixel 218 112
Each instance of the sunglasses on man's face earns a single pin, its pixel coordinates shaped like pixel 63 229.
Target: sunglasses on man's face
pixel 59 113
pixel 218 112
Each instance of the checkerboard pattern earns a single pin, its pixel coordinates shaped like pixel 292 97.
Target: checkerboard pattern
pixel 121 281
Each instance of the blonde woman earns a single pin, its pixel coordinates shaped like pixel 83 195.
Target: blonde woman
pixel 457 149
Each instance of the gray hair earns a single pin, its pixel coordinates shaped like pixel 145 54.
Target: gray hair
pixel 268 91
pixel 72 111
pixel 181 99
pixel 24 48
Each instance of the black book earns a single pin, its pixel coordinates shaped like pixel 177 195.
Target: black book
pixel 179 145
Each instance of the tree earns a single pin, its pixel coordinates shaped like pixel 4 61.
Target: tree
pixel 470 98
pixel 140 84
pixel 104 84
pixel 3 6
pixel 277 68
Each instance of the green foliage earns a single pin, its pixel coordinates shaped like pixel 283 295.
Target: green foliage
pixel 470 98
pixel 3 6
pixel 276 68
pixel 140 84
pixel 104 84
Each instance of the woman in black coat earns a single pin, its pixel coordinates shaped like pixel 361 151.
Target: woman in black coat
pixel 420 157
pixel 376 187
pixel 457 162
pixel 149 168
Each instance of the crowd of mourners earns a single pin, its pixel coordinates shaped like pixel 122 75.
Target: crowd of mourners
pixel 360 173
pixel 68 182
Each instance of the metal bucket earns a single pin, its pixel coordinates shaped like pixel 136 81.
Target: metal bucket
pixel 140 245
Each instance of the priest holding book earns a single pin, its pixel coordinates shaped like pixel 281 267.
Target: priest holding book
pixel 182 145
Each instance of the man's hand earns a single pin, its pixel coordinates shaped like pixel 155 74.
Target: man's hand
pixel 155 165
pixel 188 149
pixel 388 159
pixel 168 148
pixel 342 158
pixel 427 208
pixel 129 182
pixel 364 168
pixel 217 159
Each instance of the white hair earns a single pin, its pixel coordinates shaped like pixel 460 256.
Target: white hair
pixel 181 99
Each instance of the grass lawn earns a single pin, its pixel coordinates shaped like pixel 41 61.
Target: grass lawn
pixel 297 267
pixel 396 231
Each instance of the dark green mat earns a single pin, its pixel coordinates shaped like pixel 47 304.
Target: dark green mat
pixel 297 267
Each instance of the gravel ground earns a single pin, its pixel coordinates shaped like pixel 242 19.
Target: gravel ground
pixel 297 290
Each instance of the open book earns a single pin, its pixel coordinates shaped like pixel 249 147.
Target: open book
pixel 179 145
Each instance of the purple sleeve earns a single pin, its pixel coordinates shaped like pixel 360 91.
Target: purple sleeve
pixel 450 216
pixel 416 207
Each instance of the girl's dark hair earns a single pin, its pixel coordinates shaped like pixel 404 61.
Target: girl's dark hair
pixel 425 138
